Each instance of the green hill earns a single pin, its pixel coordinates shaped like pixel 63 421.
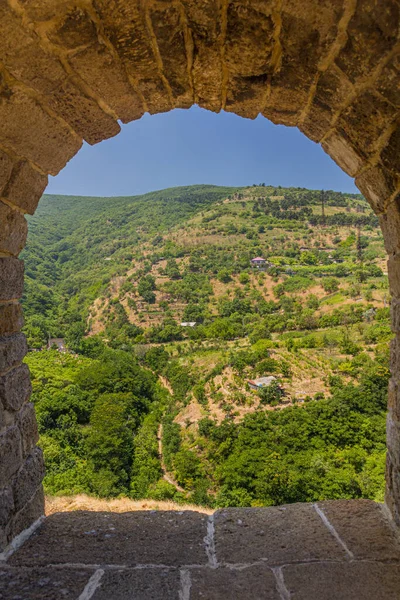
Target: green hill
pixel 116 277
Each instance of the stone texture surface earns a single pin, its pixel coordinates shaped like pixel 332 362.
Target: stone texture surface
pixel 11 319
pixel 25 186
pixel 278 534
pixel 255 582
pixel 71 70
pixel 347 581
pixel 28 427
pixel 13 230
pixel 375 540
pixel 10 453
pixel 15 388
pixel 42 584
pixel 12 350
pixel 11 278
pixel 141 584
pixel 165 538
pixel 23 519
pixel 100 551
pixel 28 479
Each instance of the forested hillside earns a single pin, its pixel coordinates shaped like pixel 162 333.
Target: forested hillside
pixel 166 320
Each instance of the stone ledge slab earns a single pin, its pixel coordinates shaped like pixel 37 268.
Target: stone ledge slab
pixel 343 581
pixel 43 584
pixel 374 539
pixel 142 584
pixel 276 535
pixel 166 538
pixel 255 583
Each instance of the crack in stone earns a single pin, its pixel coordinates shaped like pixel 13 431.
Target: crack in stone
pixel 20 539
pixel 280 584
pixel 333 531
pixel 186 584
pixel 209 542
pixel 92 585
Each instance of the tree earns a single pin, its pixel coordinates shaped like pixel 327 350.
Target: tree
pixel 224 276
pixel 330 285
pixel 270 394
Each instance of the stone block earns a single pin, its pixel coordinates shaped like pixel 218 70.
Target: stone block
pixel 332 91
pixel 388 83
pixel 341 150
pixel 257 582
pixel 11 278
pixel 392 492
pixel 11 319
pixel 141 584
pixel 395 315
pixel 28 479
pixel 393 264
pixel 390 225
pixel 10 453
pixel 6 165
pixel 106 76
pixel 13 231
pixel 371 33
pixel 363 527
pixel 30 513
pixel 344 581
pixel 82 113
pixel 136 538
pixel 393 439
pixel 123 22
pixel 6 506
pixel 204 21
pixel 25 187
pixel 28 427
pixel 364 121
pixel 43 584
pixel 24 57
pixel 15 388
pixel 275 535
pixel 12 350
pixel 168 28
pixel 44 10
pixel 390 156
pixel 378 186
pixel 73 29
pixel 395 357
pixel 44 140
pixel 27 60
pixel 394 398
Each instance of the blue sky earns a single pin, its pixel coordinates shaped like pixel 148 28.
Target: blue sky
pixel 185 147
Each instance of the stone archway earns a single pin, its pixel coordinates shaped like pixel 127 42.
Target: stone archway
pixel 71 69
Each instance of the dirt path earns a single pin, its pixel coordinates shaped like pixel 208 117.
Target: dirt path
pixel 167 476
pixel 164 381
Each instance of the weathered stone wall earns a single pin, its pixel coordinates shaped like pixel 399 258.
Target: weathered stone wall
pixel 70 70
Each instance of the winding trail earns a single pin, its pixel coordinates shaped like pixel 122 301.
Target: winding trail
pixel 167 476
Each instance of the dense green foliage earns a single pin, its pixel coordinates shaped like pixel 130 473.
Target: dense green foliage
pixel 115 277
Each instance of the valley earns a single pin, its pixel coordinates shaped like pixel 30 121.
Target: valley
pixel 166 319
